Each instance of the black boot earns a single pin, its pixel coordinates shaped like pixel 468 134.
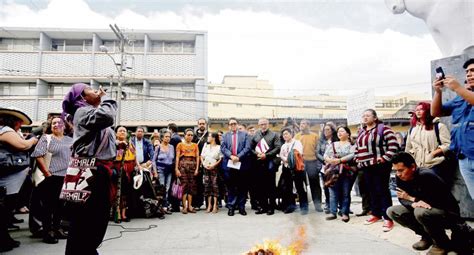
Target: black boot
pixel 50 238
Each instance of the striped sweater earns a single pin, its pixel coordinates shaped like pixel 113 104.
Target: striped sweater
pixel 368 145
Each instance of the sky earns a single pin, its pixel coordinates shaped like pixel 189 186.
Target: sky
pixel 331 46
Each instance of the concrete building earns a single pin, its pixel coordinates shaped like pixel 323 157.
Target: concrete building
pixel 166 71
pixel 249 98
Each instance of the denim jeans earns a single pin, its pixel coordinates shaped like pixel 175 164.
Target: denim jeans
pixel 341 191
pixel 165 180
pixel 466 166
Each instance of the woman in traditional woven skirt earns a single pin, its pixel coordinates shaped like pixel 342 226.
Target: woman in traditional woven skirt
pixel 128 167
pixel 187 168
pixel 211 158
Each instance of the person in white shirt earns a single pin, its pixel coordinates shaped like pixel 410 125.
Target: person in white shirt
pixel 211 158
pixel 291 175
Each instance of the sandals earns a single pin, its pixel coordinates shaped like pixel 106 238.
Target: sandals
pixel 191 210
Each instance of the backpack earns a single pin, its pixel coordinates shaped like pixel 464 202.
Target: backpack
pixel 436 129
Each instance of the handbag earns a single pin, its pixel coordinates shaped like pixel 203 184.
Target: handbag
pixel 79 179
pixel 38 175
pixel 12 161
pixel 177 189
pixel 331 171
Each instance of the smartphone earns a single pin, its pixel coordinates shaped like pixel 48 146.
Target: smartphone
pixel 440 73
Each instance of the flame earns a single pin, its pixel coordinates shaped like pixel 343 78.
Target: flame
pixel 274 247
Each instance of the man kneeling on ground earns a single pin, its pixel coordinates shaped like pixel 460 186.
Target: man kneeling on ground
pixel 427 205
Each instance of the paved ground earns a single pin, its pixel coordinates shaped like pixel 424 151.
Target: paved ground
pixel 203 233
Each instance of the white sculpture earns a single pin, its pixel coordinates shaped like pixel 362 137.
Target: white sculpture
pixel 451 22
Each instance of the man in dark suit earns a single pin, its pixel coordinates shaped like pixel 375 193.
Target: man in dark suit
pixel 265 145
pixel 235 148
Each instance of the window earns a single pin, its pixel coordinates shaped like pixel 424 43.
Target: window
pixel 110 45
pixel 19 44
pixel 139 46
pixel 57 45
pixel 188 91
pixel 25 44
pixel 87 45
pixel 239 105
pixel 18 89
pixel 156 46
pixel 74 45
pixel 215 104
pixel 173 47
pixel 188 47
pixel 6 44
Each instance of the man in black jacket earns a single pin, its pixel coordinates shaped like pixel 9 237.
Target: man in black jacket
pixel 265 146
pixel 427 205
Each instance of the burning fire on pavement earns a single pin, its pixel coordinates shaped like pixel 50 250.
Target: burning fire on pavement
pixel 274 247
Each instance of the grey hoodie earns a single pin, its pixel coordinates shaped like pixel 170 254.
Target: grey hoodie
pixel 90 124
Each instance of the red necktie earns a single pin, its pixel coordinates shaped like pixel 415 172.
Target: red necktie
pixel 234 143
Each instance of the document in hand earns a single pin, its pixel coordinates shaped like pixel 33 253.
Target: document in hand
pixel 231 164
pixel 262 146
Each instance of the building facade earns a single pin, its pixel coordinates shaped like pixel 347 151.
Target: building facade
pixel 165 71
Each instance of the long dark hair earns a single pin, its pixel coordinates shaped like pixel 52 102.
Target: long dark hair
pixel 348 131
pixel 215 135
pixel 8 120
pixel 333 131
pixel 427 117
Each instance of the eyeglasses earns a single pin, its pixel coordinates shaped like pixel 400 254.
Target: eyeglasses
pixel 232 124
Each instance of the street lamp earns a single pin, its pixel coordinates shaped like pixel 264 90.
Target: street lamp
pixel 120 70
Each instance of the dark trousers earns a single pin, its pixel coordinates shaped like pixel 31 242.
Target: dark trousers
pixel 198 198
pixel 50 189
pixel 5 238
pixel 428 223
pixel 363 191
pixel 36 211
pixel 299 179
pixel 312 168
pixel 253 185
pixel 89 222
pixel 173 201
pixel 266 189
pixel 377 178
pixel 237 188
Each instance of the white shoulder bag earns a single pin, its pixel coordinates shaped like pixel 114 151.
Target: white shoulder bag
pixel 38 176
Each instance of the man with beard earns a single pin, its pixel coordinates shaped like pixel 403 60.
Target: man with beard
pixel 200 137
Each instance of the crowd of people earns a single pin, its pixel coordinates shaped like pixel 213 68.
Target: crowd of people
pixel 210 170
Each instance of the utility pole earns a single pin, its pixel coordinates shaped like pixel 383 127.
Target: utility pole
pixel 120 70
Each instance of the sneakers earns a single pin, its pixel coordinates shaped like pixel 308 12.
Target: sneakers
pixel 371 220
pixel 387 225
pixel 422 245
pixel 331 217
